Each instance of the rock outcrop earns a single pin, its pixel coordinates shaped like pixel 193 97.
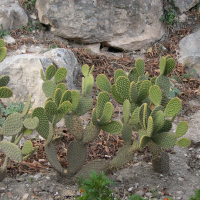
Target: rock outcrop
pixel 185 5
pixel 190 51
pixel 12 15
pixel 24 72
pixel 127 25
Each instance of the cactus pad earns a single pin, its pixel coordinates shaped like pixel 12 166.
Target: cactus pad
pixel 4 80
pixel 76 156
pixel 162 65
pixel 103 83
pixel 49 88
pixel 27 148
pixel 118 73
pixel 126 111
pixel 173 107
pixel 28 132
pixel 62 86
pixel 181 129
pixel 158 121
pixel 116 95
pixel 2 43
pixel 133 92
pixel 43 127
pixel 140 66
pixel 144 90
pixel 94 116
pixel 113 127
pixel 89 81
pixel 50 72
pixel 167 126
pixel 31 123
pixel 127 133
pixel 165 140
pixel 144 141
pixel 183 142
pixel 170 64
pixel 91 132
pixel 27 106
pixel 122 86
pixel 12 125
pixel 60 75
pixel 75 100
pixel 5 92
pixel 65 107
pixel 74 126
pixel 57 96
pixel 164 84
pixel 3 52
pixel 84 105
pixel 150 126
pixel 155 95
pixel 156 109
pixel 51 108
pixel 85 70
pixel 107 113
pixel 31 153
pixel 102 99
pixel 11 150
pixel 51 155
pixel 133 75
pixel 66 96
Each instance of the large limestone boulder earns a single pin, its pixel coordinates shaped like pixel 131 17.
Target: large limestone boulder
pixel 24 72
pixel 127 24
pixel 185 5
pixel 12 15
pixel 190 51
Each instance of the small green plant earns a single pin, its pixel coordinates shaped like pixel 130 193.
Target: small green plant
pixel 52 46
pixel 3 32
pixel 173 91
pixel 190 75
pixel 169 15
pixel 30 27
pixel 96 187
pixel 29 4
pixel 135 197
pixel 11 108
pixel 196 196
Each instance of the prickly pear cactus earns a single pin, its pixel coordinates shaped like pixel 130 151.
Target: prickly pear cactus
pixel 148 109
pixel 3 50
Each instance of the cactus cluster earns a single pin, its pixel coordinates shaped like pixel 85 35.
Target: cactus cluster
pixel 16 125
pixel 148 110
pixel 3 50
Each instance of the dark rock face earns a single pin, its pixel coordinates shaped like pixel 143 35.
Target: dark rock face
pixel 124 24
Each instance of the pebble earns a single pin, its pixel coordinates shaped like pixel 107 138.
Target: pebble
pixel 25 197
pixel 140 192
pixel 130 189
pixel 2 189
pixel 148 194
pixel 180 179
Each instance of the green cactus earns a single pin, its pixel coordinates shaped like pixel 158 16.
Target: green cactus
pixel 4 80
pixel 60 75
pixel 3 52
pixel 31 123
pixel 103 83
pixel 50 72
pixel 27 148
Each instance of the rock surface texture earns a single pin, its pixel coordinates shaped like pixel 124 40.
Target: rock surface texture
pixel 190 51
pixel 185 5
pixel 12 16
pixel 24 72
pixel 127 24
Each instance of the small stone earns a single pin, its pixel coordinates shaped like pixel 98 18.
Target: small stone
pixel 130 189
pixel 57 197
pixel 185 155
pixel 137 164
pixel 190 149
pixel 119 179
pixel 182 18
pixel 67 193
pixel 179 193
pixel 186 166
pixel 148 194
pixel 178 198
pixel 37 177
pixel 48 178
pixel 8 39
pixel 140 192
pixel 2 189
pixel 180 179
pixel 25 197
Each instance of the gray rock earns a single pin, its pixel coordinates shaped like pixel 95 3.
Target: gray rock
pixel 25 197
pixel 65 58
pixel 128 25
pixel 8 39
pixel 190 51
pixel 183 18
pixel 12 15
pixel 148 194
pixel 24 72
pixel 140 192
pixel 185 5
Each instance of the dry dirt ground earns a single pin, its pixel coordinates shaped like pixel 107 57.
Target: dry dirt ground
pixel 136 177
